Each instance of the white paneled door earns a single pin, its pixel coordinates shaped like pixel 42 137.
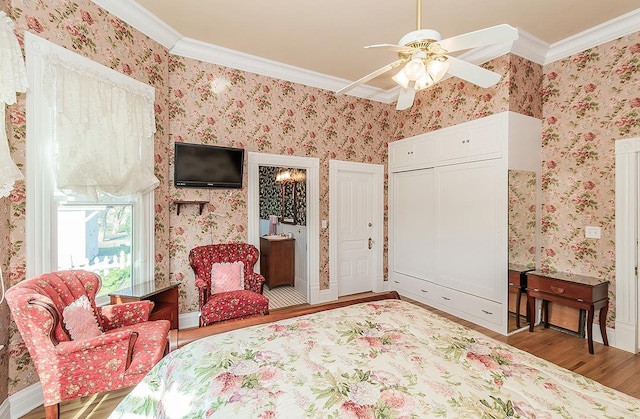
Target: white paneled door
pixel 355 232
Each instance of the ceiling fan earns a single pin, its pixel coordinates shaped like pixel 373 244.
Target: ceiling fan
pixel 424 56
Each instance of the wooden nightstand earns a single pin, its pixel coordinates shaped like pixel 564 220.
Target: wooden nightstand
pixel 581 292
pixel 164 297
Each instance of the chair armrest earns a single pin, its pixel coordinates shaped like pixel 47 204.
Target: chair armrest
pixel 124 314
pixel 112 352
pixel 203 291
pixel 254 282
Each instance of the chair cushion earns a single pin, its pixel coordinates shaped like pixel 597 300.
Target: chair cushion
pixel 234 305
pixel 80 320
pixel 227 276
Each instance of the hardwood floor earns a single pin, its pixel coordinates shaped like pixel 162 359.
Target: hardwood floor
pixel 610 366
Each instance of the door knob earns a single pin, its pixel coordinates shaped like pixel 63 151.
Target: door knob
pixel 370 243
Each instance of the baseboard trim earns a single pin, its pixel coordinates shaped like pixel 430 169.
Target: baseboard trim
pixel 189 320
pixel 25 400
pixel 4 410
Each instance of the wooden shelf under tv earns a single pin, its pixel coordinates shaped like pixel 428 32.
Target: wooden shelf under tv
pixel 180 203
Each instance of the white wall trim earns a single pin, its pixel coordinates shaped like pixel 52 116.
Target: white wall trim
pixel 312 166
pixel 25 400
pixel 4 409
pixel 141 19
pixel 377 170
pixel 189 320
pixel 598 35
pixel 626 215
pixel 526 46
pixel 214 54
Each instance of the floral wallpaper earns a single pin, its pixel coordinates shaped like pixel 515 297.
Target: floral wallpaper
pixel 586 101
pixel 589 100
pixel 210 104
pixel 522 218
pixel 4 262
pixel 86 29
pixel 454 101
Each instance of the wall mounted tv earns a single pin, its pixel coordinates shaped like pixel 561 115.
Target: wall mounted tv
pixel 207 166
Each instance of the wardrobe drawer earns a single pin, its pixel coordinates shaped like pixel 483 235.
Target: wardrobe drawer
pixel 470 304
pixel 412 287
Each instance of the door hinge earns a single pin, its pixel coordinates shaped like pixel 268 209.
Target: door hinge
pixel 636 269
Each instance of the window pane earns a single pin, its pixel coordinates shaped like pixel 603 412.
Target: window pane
pixel 97 238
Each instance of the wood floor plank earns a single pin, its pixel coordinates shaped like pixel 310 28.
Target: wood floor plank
pixel 612 367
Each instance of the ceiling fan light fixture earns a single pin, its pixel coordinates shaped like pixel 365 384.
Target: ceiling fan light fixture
pixel 401 78
pixel 424 82
pixel 415 69
pixel 437 69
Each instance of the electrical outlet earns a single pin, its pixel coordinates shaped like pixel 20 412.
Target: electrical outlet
pixel 592 232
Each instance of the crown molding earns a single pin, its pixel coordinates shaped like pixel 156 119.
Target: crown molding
pixel 529 47
pixel 192 48
pixel 526 46
pixel 598 35
pixel 143 20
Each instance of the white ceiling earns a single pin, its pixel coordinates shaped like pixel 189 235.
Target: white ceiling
pixel 322 41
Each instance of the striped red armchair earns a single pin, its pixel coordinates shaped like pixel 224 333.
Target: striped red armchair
pixel 78 348
pixel 228 288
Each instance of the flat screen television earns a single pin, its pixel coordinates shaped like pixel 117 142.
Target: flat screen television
pixel 207 166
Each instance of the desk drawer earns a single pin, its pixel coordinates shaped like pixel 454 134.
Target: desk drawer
pixel 570 290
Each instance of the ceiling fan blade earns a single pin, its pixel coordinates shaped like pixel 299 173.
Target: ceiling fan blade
pixel 393 47
pixel 405 99
pixel 370 76
pixel 472 73
pixel 493 35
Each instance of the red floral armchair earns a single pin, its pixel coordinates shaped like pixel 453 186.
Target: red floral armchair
pixel 124 347
pixel 231 305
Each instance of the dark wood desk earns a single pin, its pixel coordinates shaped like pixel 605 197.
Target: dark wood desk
pixel 518 286
pixel 164 297
pixel 581 292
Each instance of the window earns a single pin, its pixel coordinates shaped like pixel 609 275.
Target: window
pixel 97 238
pixel 111 236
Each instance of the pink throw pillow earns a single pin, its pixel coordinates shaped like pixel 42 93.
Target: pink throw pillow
pixel 228 276
pixel 80 320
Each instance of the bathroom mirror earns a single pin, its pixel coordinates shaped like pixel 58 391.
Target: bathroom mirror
pixel 522 243
pixel 289 203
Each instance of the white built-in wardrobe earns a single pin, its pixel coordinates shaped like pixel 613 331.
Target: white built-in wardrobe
pixel 448 214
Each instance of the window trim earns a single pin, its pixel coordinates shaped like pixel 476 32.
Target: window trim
pixel 41 208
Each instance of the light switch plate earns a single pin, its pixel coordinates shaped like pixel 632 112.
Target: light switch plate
pixel 592 232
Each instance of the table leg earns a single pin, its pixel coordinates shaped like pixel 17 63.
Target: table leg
pixel 545 313
pixel 590 328
pixel 603 323
pixel 518 299
pixel 531 303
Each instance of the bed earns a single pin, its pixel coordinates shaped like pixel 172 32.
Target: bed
pixel 383 358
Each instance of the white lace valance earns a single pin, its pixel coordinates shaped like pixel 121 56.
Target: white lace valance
pixel 103 140
pixel 13 78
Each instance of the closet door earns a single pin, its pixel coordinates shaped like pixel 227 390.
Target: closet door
pixel 411 233
pixel 470 249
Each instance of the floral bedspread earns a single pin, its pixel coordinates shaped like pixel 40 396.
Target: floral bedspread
pixel 387 359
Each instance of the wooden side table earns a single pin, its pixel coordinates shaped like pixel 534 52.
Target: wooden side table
pixel 164 297
pixel 581 292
